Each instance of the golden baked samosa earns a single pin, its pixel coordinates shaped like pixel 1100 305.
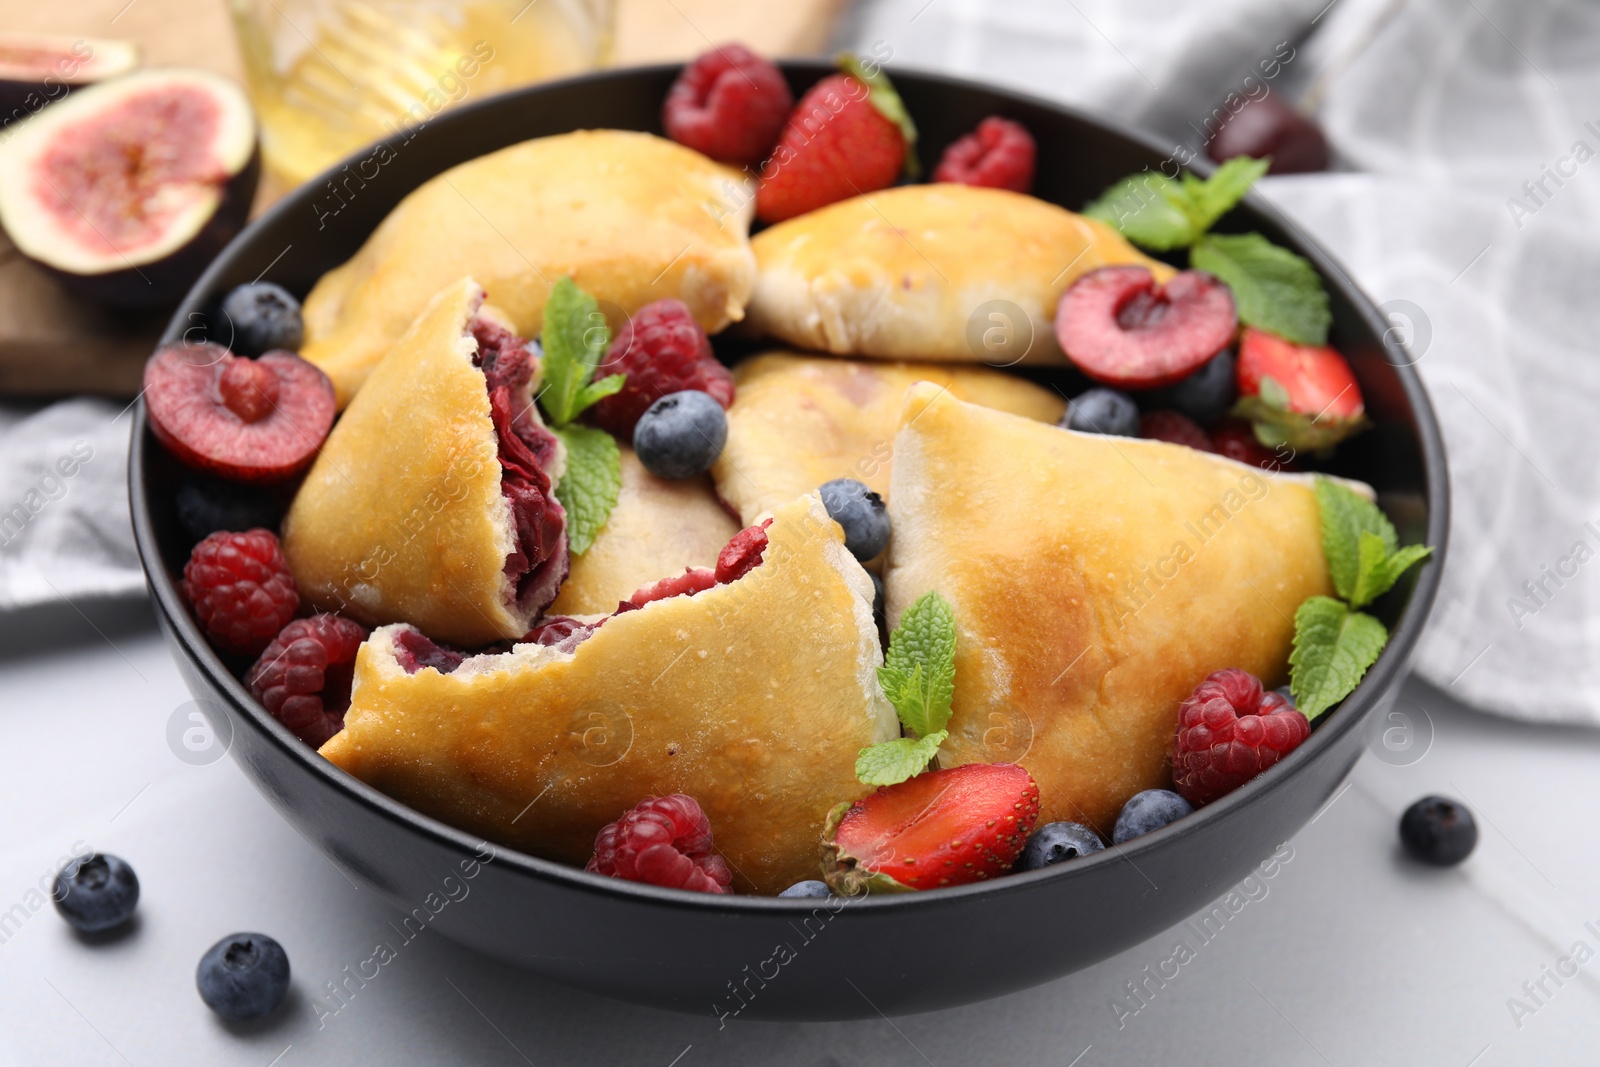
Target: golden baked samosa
pixel 1096 581
pixel 540 747
pixel 631 217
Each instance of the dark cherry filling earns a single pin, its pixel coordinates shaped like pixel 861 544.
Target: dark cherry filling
pixel 414 650
pixel 540 562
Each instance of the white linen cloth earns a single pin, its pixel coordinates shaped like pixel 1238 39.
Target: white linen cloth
pixel 1439 112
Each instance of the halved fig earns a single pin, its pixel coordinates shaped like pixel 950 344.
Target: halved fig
pixel 36 68
pixel 1123 329
pixel 125 190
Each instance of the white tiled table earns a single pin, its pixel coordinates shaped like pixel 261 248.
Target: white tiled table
pixel 1351 956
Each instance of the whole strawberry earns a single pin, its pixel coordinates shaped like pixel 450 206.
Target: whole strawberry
pixel 946 827
pixel 303 677
pixel 1229 731
pixel 1305 396
pixel 664 841
pixel 241 590
pixel 850 134
pixel 728 104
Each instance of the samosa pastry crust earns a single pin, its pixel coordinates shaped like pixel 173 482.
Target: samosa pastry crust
pixel 799 421
pixel 402 516
pixel 631 217
pixel 1095 581
pixel 929 272
pixel 753 697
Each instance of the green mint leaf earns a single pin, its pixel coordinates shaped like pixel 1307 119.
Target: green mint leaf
pixel 1379 568
pixel 1274 289
pixel 588 490
pixel 611 383
pixel 882 94
pixel 892 762
pixel 1150 209
pixel 574 339
pixel 1333 647
pixel 919 671
pixel 1345 517
pixel 1214 197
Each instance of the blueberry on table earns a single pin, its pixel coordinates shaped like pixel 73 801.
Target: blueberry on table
pixel 681 434
pixel 1104 411
pixel 243 976
pixel 1148 811
pixel 97 892
pixel 259 317
pixel 1438 831
pixel 811 887
pixel 862 514
pixel 1055 842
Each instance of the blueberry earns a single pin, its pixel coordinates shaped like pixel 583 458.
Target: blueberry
pixel 1439 831
pixel 1103 411
pixel 811 887
pixel 1147 811
pixel 96 893
pixel 877 595
pixel 1057 841
pixel 206 505
pixel 1206 395
pixel 681 435
pixel 259 317
pixel 243 976
pixel 862 514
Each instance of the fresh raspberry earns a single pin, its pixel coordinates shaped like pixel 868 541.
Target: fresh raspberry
pixel 662 350
pixel 728 104
pixel 693 580
pixel 1229 731
pixel 241 590
pixel 999 154
pixel 1173 428
pixel 303 677
pixel 664 841
pixel 837 144
pixel 1235 439
pixel 742 554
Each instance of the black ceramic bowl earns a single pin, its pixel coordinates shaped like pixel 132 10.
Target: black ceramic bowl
pixel 764 957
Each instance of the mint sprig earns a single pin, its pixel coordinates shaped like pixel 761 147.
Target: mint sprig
pixel 1334 643
pixel 918 676
pixel 1273 289
pixel 575 338
pixel 1162 213
pixel 589 488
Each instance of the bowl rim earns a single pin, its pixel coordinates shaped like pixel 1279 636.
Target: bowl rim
pixel 1347 716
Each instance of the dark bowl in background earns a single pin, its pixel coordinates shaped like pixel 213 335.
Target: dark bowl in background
pixel 764 957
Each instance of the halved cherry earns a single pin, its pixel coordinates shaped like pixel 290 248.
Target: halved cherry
pixel 1123 329
pixel 248 420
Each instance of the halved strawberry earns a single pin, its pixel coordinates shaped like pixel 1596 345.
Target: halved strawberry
pixel 850 134
pixel 1304 396
pixel 945 827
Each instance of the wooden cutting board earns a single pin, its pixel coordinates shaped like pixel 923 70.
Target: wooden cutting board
pixel 52 343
